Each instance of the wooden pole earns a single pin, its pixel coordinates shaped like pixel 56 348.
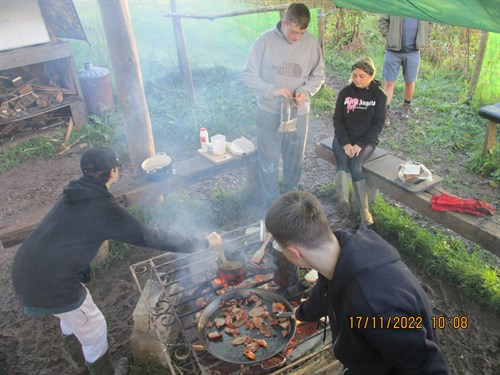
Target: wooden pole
pixel 478 65
pixel 212 17
pixel 182 53
pixel 128 78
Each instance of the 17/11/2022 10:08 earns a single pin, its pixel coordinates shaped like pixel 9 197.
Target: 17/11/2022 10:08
pixel 407 322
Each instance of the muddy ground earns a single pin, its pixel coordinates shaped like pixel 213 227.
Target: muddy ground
pixel 34 346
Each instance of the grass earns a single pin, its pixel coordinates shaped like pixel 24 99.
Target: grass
pixel 475 272
pixel 100 131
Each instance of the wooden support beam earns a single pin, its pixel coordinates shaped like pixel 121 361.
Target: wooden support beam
pixel 128 78
pixel 182 53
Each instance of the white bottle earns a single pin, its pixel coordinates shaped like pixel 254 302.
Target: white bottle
pixel 204 139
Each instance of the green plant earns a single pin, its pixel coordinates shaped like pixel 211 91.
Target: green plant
pixel 327 191
pixel 476 275
pixel 324 101
pixel 100 131
pixel 36 147
pixel 487 165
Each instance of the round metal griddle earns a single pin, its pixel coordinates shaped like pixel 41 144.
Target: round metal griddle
pixel 223 349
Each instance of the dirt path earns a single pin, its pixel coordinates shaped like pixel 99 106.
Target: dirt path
pixel 34 346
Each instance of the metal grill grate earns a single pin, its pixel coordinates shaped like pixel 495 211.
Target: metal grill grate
pixel 176 287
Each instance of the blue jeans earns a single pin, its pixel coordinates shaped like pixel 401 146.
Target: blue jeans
pixel 270 145
pixel 353 165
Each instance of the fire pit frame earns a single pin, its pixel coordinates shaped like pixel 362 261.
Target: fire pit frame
pixel 187 284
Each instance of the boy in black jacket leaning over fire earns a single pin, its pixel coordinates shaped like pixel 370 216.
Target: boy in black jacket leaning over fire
pixel 364 288
pixel 52 263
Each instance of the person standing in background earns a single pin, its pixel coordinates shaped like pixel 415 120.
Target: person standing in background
pixel 404 38
pixel 284 63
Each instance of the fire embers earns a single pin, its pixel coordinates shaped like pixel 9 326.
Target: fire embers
pixel 248 322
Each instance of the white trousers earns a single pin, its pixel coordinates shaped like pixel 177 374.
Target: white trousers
pixel 89 325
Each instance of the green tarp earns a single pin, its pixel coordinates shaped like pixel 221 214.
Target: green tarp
pixel 473 14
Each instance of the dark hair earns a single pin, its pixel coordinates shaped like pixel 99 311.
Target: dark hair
pixel 298 217
pixel 102 177
pixel 298 13
pixel 366 65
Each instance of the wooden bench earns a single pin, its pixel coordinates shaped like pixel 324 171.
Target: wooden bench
pixel 381 174
pixel 134 190
pixel 492 114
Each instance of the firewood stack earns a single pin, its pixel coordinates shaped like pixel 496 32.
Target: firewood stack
pixel 25 106
pixel 29 95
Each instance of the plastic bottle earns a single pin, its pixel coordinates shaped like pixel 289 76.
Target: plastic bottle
pixel 204 139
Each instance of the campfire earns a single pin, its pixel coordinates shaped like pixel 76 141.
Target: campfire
pixel 192 298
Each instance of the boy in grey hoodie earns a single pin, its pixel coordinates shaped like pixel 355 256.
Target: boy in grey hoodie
pixel 284 63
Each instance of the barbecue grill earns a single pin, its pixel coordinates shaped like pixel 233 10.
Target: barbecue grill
pixel 186 283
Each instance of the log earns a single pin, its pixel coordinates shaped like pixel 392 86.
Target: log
pixel 212 17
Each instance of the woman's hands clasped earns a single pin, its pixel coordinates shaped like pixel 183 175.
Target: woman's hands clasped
pixel 352 151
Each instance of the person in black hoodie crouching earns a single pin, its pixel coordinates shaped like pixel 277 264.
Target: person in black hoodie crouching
pixel 380 317
pixel 358 121
pixel 52 263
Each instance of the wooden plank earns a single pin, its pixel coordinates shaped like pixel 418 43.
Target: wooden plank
pixel 216 159
pixel 140 190
pixel 324 147
pixel 387 167
pixel 484 231
pixel 15 229
pixel 33 55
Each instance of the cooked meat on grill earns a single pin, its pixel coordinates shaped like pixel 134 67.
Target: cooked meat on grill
pixel 284 324
pixel 249 355
pixel 241 315
pixel 232 331
pixel 229 321
pixel 251 347
pixel 240 340
pixel 257 311
pixel 214 336
pixel 266 331
pixel 249 324
pixel 219 322
pixel 278 307
pixel 230 309
pixel 251 313
pixel 257 321
pixel 261 342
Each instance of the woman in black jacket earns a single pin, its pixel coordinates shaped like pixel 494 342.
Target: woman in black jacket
pixel 358 120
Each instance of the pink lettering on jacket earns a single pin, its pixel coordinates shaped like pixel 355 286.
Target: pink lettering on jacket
pixel 351 103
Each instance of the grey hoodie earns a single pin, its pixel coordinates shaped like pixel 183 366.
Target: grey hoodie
pixel 274 62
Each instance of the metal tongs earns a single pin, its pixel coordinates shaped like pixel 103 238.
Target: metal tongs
pixel 282 314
